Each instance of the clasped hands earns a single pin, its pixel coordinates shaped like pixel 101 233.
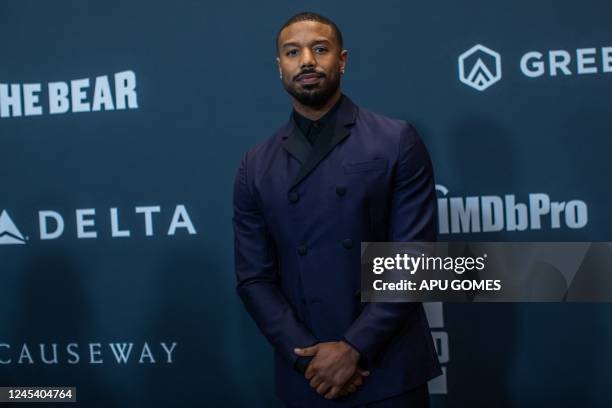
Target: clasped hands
pixel 333 372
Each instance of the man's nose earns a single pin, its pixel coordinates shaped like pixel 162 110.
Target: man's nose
pixel 308 59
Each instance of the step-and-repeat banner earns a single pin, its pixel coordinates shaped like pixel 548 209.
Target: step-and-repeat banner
pixel 121 128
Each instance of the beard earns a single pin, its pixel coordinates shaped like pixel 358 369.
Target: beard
pixel 314 95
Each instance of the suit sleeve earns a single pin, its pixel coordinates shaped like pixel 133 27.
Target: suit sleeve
pixel 413 218
pixel 257 274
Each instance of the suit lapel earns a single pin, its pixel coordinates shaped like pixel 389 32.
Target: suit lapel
pixel 295 142
pixel 297 145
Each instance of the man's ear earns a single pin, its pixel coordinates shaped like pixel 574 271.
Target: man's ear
pixel 343 60
pixel 280 71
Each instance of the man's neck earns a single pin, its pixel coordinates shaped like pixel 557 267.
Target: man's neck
pixel 316 113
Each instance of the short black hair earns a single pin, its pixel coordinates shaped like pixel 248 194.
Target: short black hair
pixel 310 16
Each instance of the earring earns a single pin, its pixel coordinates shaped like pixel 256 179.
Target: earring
pixel 342 71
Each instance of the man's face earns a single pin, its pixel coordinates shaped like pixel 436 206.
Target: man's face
pixel 310 61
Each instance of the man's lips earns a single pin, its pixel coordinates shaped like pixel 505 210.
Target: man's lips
pixel 308 78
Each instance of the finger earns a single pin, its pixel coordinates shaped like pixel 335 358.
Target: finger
pixel 323 388
pixel 306 351
pixel 332 393
pixel 357 381
pixel 316 381
pixel 347 389
pixel 310 372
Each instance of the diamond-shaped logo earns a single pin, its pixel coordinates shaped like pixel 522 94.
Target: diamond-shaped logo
pixel 480 67
pixel 9 234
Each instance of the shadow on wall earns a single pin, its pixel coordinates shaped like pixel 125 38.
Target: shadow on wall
pixel 54 309
pixel 193 309
pixel 501 353
pixel 482 336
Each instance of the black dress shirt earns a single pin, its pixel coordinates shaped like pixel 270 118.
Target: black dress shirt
pixel 313 128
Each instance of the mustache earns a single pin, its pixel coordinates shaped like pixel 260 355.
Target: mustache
pixel 306 72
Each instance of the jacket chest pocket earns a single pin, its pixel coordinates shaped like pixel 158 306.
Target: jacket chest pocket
pixel 365 166
pixel 368 179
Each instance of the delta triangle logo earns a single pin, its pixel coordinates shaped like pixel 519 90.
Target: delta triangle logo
pixel 9 234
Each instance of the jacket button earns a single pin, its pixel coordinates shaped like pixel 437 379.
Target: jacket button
pixel 293 197
pixel 347 243
pixel 340 191
pixel 302 250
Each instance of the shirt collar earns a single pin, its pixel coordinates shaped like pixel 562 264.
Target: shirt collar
pixel 305 124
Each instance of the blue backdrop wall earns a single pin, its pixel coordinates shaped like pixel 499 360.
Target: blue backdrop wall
pixel 122 124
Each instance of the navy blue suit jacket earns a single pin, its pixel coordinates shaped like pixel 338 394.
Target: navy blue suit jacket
pixel 299 218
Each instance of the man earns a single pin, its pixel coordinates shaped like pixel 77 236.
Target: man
pixel 333 176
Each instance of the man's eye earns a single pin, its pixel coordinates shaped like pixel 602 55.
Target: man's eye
pixel 320 50
pixel 291 53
